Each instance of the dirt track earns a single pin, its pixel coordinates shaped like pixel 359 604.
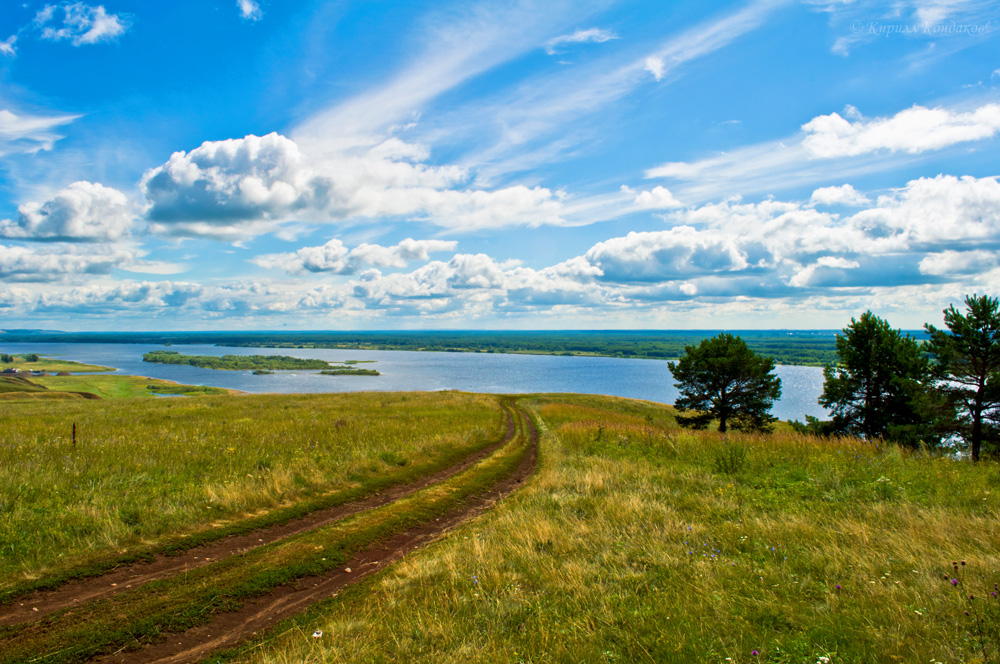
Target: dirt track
pixel 78 592
pixel 228 629
pixel 259 613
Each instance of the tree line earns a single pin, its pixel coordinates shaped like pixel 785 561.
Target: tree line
pixel 885 384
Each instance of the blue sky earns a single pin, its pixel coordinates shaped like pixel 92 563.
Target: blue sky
pixel 527 165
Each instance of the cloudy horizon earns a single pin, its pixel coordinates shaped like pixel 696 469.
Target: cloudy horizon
pixel 558 165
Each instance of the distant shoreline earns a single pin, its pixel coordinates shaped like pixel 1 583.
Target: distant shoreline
pixel 790 347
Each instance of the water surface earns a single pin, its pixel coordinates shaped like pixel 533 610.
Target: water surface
pixel 411 370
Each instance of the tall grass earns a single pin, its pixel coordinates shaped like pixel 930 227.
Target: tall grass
pixel 634 543
pixel 142 471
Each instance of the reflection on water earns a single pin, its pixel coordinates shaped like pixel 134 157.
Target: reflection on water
pixel 409 370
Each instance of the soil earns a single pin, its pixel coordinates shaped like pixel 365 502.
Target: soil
pixel 80 591
pixel 257 615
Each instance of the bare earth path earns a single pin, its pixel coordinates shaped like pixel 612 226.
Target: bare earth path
pixel 228 629
pixel 81 591
pixel 257 614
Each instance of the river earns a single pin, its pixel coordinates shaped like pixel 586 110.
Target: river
pixel 410 370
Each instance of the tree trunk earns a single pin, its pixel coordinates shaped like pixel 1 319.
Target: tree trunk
pixel 977 434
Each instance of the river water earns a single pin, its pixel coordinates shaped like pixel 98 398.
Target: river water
pixel 410 370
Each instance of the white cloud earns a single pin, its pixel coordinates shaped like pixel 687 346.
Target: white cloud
pixel 521 125
pixel 933 12
pixel 658 198
pixel 929 212
pixel 470 40
pixel 949 263
pixel 84 211
pixel 656 66
pixel 334 257
pixel 24 264
pixel 29 133
pixel 914 244
pixel 820 271
pixel 830 146
pixel 845 194
pixel 240 187
pixel 594 35
pixel 7 46
pixel 81 23
pixel 913 130
pixel 664 255
pixel 188 300
pixel 249 10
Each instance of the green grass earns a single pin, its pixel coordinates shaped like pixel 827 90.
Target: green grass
pixel 635 541
pixel 193 598
pixel 147 472
pixel 51 365
pixel 33 388
pixel 638 541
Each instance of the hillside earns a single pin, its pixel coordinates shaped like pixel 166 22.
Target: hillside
pixel 633 540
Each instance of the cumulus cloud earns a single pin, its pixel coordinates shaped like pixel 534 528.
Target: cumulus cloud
pixel 664 255
pixel 948 263
pixel 830 146
pixel 240 187
pixel 594 35
pixel 845 194
pixel 29 133
pixel 80 23
pixel 83 212
pixel 249 10
pixel 24 264
pixel 822 270
pixel 658 198
pixel 189 300
pixel 335 258
pixel 913 130
pixel 929 212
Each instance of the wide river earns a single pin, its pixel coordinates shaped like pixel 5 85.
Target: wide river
pixel 410 370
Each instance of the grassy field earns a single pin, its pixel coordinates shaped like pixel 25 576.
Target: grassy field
pixel 101 386
pixel 144 472
pixel 51 365
pixel 638 542
pixel 635 540
pixel 193 598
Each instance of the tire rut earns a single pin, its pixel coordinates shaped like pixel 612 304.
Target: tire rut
pixel 81 591
pixel 257 615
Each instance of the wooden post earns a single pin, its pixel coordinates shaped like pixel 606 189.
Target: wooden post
pixel 74 435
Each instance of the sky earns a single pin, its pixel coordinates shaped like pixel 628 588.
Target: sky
pixel 559 164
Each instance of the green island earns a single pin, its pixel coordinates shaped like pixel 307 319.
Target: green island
pixel 235 362
pixel 349 371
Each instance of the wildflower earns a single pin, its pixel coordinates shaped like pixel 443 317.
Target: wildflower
pixel 838 586
pixel 954 582
pixel 754 653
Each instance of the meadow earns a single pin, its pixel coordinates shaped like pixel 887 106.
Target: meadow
pixel 145 473
pixel 638 541
pixel 635 540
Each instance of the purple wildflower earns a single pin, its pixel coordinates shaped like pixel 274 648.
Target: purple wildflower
pixel 954 582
